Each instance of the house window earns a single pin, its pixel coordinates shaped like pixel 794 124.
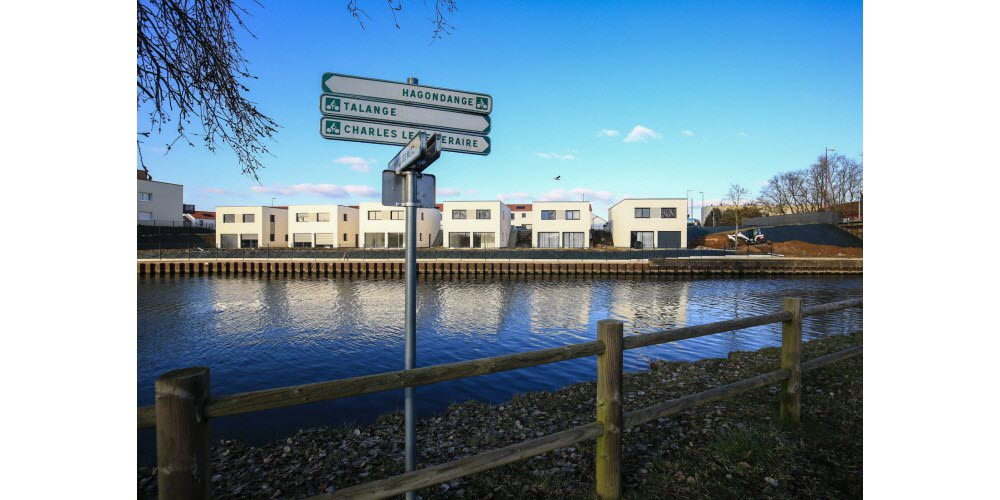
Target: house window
pixel 668 213
pixel 458 214
pixel 642 213
pixel 374 215
pixel 345 218
pixel 483 240
pixel 421 236
pixel 572 215
pixel 396 240
pixel 302 240
pixel 374 240
pixel 512 216
pixel 345 234
pixel 272 236
pixel 228 241
pixel 548 240
pixel 248 241
pixel 145 196
pixel 641 239
pixel 548 215
pixel 145 215
pixel 482 214
pixel 272 220
pixel 323 240
pixel 396 215
pixel 524 214
pixel 323 217
pixel 301 217
pixel 572 240
pixel 458 240
pixel 421 216
pixel 228 218
pixel 247 217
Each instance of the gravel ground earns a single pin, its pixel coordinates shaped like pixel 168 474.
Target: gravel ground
pixel 734 448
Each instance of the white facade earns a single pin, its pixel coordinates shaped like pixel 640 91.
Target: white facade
pixel 520 214
pixel 322 226
pixel 560 224
pixel 385 227
pixel 475 224
pixel 251 227
pixel 161 203
pixel 653 222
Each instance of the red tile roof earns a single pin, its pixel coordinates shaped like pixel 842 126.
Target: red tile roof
pixel 201 214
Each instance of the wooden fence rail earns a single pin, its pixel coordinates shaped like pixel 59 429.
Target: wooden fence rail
pixel 183 407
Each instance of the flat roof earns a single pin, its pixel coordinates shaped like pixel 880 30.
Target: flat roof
pixel 650 199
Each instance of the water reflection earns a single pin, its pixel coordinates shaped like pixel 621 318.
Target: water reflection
pixel 262 332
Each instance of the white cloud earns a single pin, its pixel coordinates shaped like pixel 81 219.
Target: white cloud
pixel 520 196
pixel 555 156
pixel 742 134
pixel 577 193
pixel 687 133
pixel 641 134
pixel 448 191
pixel 324 190
pixel 604 132
pixel 355 163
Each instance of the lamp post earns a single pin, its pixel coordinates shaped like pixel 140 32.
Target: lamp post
pixel 826 175
pixel 702 206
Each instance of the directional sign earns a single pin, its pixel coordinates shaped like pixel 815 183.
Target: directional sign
pixel 388 133
pixel 418 154
pixel 472 102
pixel 369 109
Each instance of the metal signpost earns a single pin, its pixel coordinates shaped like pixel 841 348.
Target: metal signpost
pixel 425 121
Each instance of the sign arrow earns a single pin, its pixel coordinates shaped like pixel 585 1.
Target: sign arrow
pixel 339 129
pixel 471 102
pixel 369 109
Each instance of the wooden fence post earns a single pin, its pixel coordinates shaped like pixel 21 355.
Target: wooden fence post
pixel 791 360
pixel 182 437
pixel 609 410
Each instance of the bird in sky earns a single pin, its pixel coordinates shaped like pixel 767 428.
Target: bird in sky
pixel 558 177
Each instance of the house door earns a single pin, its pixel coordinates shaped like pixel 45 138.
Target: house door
pixel 668 239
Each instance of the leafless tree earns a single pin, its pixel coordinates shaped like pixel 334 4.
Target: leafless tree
pixel 827 184
pixel 737 195
pixel 190 68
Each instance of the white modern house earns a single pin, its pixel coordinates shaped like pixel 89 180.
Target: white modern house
pixel 322 226
pixel 649 223
pixel 520 214
pixel 560 224
pixel 382 226
pixel 251 227
pixel 200 218
pixel 475 224
pixel 160 203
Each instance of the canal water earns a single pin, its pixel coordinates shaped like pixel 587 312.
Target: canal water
pixel 263 332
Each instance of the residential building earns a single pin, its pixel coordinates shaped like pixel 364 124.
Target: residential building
pixel 598 223
pixel 475 224
pixel 199 218
pixel 160 203
pixel 520 214
pixel 385 227
pixel 560 224
pixel 251 227
pixel 322 226
pixel 649 222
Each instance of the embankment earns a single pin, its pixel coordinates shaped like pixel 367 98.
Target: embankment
pixel 492 267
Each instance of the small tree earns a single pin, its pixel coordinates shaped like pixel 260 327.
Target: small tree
pixel 737 196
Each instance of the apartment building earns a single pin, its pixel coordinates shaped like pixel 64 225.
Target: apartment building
pixel 560 224
pixel 160 203
pixel 475 224
pixel 322 226
pixel 385 227
pixel 649 223
pixel 251 227
pixel 520 214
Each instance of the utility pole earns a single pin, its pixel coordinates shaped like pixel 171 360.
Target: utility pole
pixel 702 206
pixel 826 177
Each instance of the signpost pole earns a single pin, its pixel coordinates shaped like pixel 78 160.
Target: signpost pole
pixel 410 352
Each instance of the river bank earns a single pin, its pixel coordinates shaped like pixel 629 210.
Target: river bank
pixel 726 449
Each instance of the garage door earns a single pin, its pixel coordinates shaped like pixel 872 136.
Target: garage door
pixel 668 239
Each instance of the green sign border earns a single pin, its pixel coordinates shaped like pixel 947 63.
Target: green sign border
pixel 326 76
pixel 489 142
pixel 489 121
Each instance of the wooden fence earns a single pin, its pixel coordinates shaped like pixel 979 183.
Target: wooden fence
pixel 184 407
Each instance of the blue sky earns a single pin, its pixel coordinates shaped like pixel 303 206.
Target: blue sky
pixel 622 100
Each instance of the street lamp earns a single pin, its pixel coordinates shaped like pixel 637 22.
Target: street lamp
pixel 272 202
pixel 826 173
pixel 702 206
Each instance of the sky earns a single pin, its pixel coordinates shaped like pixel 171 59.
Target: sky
pixel 637 100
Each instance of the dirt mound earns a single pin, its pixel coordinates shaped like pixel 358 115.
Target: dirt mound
pixel 792 248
